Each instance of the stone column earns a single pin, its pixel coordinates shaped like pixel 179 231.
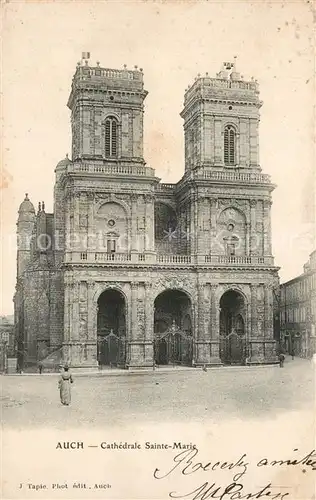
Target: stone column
pixel 267 227
pixel 219 143
pixel 242 142
pixel 268 312
pixel 91 310
pixel 253 149
pixel 192 227
pixel 149 224
pixel 215 333
pixel 208 138
pixel 92 239
pixel 135 358
pixel 75 312
pixel 87 348
pixel 134 243
pixel 134 290
pixel 200 304
pixel 201 135
pixel 149 326
pixel 253 239
pixel 255 347
pixel 214 307
pixel 254 317
pixel 74 343
pixel 202 340
pixel 149 313
pixel 68 228
pixel 202 208
pixel 67 313
pixel 248 236
pixel 212 247
pixel 269 342
pixel 76 231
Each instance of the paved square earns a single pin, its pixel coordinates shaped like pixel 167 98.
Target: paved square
pixel 186 396
pixel 226 413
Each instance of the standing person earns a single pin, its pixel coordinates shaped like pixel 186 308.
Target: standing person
pixel 292 353
pixel 64 382
pixel 281 359
pixel 40 367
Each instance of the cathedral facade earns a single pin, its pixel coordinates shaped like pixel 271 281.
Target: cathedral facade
pixel 131 272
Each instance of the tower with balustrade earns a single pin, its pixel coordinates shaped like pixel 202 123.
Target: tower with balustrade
pixel 154 273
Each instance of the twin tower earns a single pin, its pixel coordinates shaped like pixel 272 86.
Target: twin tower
pixel 132 272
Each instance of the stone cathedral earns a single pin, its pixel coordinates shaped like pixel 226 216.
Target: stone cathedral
pixel 131 272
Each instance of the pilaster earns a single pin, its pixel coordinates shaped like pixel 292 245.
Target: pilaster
pixel 268 312
pixel 67 311
pixel 254 316
pixel 149 243
pixel 75 312
pixel 215 338
pixel 267 227
pixel 202 338
pixel 253 239
pixel 218 141
pixel 91 227
pixel 91 311
pixel 137 347
pixel 134 234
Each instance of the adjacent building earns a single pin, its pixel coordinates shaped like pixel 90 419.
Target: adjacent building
pixel 298 312
pixel 132 272
pixel 7 341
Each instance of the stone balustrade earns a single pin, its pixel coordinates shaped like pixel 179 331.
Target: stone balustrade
pixel 169 259
pixel 207 85
pixel 114 169
pixel 165 186
pixel 84 72
pixel 234 176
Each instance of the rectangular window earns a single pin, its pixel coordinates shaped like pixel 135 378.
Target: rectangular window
pixel 231 251
pixel 111 246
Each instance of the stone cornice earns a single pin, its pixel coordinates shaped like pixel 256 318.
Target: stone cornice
pixel 156 267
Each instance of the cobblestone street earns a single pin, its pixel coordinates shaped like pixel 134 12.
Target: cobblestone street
pixel 175 395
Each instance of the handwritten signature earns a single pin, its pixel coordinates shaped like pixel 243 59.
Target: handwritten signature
pixel 185 459
pixel 187 463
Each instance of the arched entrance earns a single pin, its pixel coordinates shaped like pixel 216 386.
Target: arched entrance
pixel 111 329
pixel 232 328
pixel 173 329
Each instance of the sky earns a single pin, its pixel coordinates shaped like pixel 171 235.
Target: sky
pixel 172 41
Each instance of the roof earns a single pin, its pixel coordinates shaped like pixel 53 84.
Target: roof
pixel 64 162
pixel 26 205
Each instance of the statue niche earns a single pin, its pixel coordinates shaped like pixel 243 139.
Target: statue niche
pixel 112 228
pixel 231 233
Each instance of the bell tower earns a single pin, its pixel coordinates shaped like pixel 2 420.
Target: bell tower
pixel 107 113
pixel 221 122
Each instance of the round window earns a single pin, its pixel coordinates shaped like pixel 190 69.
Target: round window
pixel 111 223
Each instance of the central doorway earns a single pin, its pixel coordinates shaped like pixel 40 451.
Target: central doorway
pixel 111 328
pixel 173 344
pixel 232 328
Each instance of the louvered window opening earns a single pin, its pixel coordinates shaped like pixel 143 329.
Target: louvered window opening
pixel 111 137
pixel 229 146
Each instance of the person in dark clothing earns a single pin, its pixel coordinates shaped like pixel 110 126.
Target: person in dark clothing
pixel 281 359
pixel 40 367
